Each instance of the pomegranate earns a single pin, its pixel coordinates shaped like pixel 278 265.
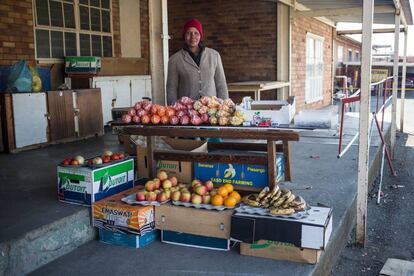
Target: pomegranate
pixel 155 119
pixel 147 106
pixel 181 113
pixel 204 118
pixel 174 120
pixel 193 112
pixel 132 112
pixel 142 112
pixel 126 118
pixel 145 119
pixel 185 120
pixel 138 106
pixel 186 101
pixel 178 106
pixel 136 119
pixel 196 120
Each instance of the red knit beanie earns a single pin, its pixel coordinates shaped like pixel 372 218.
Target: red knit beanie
pixel 193 23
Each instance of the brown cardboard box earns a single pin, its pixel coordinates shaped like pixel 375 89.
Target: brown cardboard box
pixel 202 222
pixel 182 170
pixel 280 251
pixel 116 66
pixel 111 212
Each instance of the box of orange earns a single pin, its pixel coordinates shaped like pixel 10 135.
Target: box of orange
pixel 111 213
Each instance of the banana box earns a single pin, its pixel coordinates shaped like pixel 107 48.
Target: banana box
pixel 85 185
pixel 113 214
pixel 240 175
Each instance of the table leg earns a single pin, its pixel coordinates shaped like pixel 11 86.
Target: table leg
pixel 271 163
pixel 287 160
pixel 152 166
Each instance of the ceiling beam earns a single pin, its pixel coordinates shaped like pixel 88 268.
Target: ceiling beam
pixel 376 31
pixel 344 11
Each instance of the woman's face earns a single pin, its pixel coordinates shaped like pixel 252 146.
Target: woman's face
pixel 192 37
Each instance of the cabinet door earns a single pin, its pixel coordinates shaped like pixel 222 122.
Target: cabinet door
pixel 122 92
pixel 30 121
pixel 107 95
pixel 88 101
pixel 140 88
pixel 61 115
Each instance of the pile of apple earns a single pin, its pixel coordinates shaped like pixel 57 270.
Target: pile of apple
pixel 206 110
pixel 161 189
pixel 75 161
pixel 198 194
pixel 106 157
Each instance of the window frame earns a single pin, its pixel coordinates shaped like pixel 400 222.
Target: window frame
pixel 77 30
pixel 340 49
pixel 357 56
pixel 311 82
pixel 350 57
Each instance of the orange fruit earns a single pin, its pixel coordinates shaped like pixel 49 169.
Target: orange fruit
pixel 230 202
pixel 223 191
pixel 236 195
pixel 228 187
pixel 217 200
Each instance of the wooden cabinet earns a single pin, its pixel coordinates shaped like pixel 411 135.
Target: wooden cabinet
pixel 121 91
pixel 30 120
pixel 61 115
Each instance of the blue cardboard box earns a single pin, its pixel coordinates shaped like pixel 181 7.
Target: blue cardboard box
pixel 239 175
pixel 128 240
pixel 190 240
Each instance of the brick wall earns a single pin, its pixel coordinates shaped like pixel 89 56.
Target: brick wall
pixel 347 43
pixel 16 31
pixel 244 34
pixel 143 6
pixel 300 27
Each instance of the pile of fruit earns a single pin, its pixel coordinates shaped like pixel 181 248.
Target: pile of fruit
pixel 75 161
pixel 161 189
pixel 106 157
pixel 206 110
pixel 278 201
pixel 205 193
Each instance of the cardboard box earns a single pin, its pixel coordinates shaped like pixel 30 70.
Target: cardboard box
pixel 128 240
pixel 244 175
pixel 280 112
pixel 202 222
pixel 82 65
pixel 111 213
pixel 280 251
pixel 312 231
pixel 84 185
pixel 197 241
pixel 182 170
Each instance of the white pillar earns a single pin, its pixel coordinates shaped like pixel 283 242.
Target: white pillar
pixel 404 72
pixel 395 83
pixel 363 150
pixel 165 37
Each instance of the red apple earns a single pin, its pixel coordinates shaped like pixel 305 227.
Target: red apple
pixel 195 182
pixel 185 197
pixel 209 185
pixel 161 197
pixel 162 175
pixel 157 183
pixel 175 196
pixel 150 186
pixel 166 184
pixel 200 190
pixel 196 199
pixel 168 193
pixel 174 181
pixel 141 195
pixel 151 196
pixel 206 199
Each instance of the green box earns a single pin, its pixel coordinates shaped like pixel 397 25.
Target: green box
pixel 82 65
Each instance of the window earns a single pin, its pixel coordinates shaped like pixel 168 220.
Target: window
pixel 357 58
pixel 340 54
pixel 349 55
pixel 72 28
pixel 314 68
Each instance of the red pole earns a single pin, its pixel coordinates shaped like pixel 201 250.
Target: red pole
pixel 385 146
pixel 377 92
pixel 384 97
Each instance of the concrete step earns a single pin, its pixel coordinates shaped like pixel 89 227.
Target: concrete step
pixel 38 247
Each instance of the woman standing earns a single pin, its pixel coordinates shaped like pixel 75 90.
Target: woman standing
pixel 195 70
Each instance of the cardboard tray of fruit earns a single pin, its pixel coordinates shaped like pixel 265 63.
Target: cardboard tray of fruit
pixel 73 162
pixel 132 200
pixel 202 206
pixel 243 208
pixel 99 161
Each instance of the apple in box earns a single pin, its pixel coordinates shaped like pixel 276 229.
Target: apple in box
pixel 206 199
pixel 166 184
pixel 157 183
pixel 141 195
pixel 209 185
pixel 150 186
pixel 151 196
pixel 185 197
pixel 195 183
pixel 196 199
pixel 200 190
pixel 161 197
pixel 162 175
pixel 175 196
pixel 173 180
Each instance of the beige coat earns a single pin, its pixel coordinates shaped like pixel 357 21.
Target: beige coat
pixel 185 78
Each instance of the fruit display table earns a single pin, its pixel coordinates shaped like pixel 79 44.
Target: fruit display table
pixel 264 153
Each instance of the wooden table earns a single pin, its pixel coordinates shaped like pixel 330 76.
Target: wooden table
pixel 256 86
pixel 266 157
